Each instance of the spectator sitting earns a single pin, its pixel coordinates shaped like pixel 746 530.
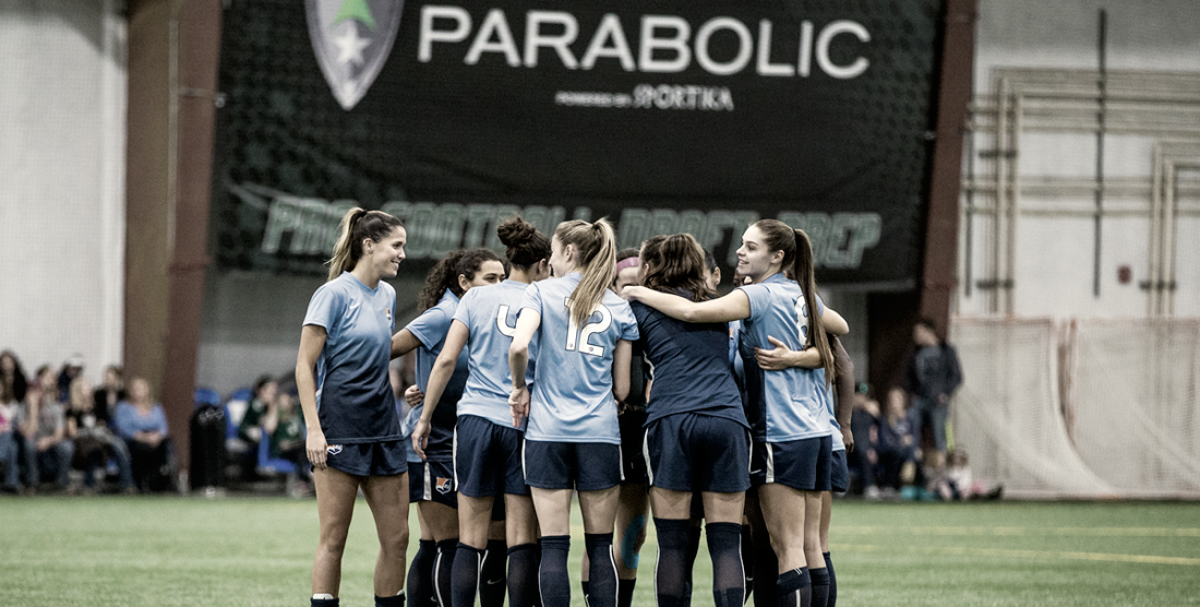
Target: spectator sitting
pixel 52 450
pixel 142 423
pixel 71 369
pixel 94 442
pixel 111 392
pixel 864 424
pixel 285 428
pixel 897 446
pixel 250 428
pixel 10 452
pixel 957 485
pixel 12 376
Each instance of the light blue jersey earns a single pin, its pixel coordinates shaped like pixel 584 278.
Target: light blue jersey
pixel 354 395
pixel 838 443
pixel 572 399
pixel 782 405
pixel 490 315
pixel 430 329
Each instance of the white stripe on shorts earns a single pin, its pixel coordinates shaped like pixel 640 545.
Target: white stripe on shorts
pixel 427 490
pixel 646 454
pixel 770 464
pixel 454 457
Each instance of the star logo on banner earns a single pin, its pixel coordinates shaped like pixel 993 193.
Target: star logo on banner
pixel 350 46
pixel 352 40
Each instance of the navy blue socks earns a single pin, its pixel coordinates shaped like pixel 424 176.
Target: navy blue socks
pixel 443 569
pixel 553 580
pixel 832 581
pixel 820 586
pixel 492 575
pixel 794 588
pixel 390 601
pixel 464 577
pixel 420 574
pixel 522 576
pixel 602 570
pixel 729 579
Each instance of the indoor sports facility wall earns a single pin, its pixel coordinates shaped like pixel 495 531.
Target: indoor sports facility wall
pixel 1083 409
pixel 62 182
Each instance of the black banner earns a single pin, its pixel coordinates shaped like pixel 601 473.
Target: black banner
pixel 664 116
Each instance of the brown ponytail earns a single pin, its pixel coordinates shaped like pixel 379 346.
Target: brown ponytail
pixel 798 261
pixel 596 248
pixel 358 225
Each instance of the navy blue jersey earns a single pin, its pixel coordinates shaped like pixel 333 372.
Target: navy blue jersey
pixel 430 329
pixel 354 395
pixel 691 367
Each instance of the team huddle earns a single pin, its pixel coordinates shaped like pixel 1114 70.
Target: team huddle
pixel 571 369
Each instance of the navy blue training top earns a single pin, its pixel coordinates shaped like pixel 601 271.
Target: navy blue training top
pixel 691 367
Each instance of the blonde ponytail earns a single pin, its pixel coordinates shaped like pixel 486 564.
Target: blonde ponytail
pixel 596 247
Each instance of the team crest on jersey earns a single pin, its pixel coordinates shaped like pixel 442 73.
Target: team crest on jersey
pixel 443 485
pixel 388 312
pixel 333 449
pixel 352 40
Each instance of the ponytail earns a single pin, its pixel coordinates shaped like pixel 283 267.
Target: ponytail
pixel 343 260
pixel 798 261
pixel 358 225
pixel 805 272
pixel 596 248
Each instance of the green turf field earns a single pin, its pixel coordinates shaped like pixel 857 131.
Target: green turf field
pixel 257 551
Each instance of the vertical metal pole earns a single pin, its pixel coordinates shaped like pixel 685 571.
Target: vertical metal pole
pixel 1100 117
pixel 970 211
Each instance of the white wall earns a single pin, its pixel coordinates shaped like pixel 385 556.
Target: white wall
pixel 62 158
pixel 1047 55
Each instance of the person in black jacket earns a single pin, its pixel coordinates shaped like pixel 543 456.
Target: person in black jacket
pixel 932 376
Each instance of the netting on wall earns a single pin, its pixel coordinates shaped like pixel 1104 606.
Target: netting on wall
pixel 1007 414
pixel 1135 404
pixel 1087 409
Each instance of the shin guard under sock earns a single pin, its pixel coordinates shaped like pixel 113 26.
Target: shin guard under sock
pixel 602 570
pixel 522 575
pixel 832 602
pixel 553 580
pixel 443 568
pixel 464 575
pixel 420 575
pixel 794 588
pixel 491 574
pixel 729 579
pixel 820 586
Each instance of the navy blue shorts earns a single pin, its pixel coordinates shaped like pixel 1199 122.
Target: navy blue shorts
pixel 803 464
pixel 487 459
pixel 432 482
pixel 368 459
pixel 839 472
pixel 633 434
pixel 579 466
pixel 696 452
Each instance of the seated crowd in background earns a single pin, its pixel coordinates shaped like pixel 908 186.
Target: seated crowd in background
pixel 888 461
pixel 56 423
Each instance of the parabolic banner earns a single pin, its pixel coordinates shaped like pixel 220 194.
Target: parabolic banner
pixel 664 116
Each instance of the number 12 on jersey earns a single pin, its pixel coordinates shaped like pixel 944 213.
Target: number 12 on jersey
pixel 579 338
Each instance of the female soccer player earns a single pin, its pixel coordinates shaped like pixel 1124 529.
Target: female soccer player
pixel 353 436
pixel 487 449
pixel 432 480
pixel 791 462
pixel 632 503
pixel 843 439
pixel 697 438
pixel 582 333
